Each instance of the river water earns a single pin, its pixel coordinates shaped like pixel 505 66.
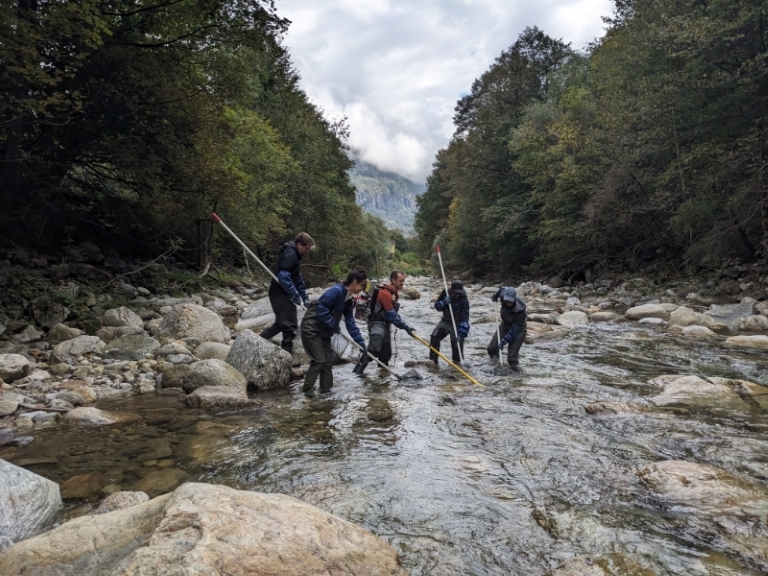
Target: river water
pixel 511 478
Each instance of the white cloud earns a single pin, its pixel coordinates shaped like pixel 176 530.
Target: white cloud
pixel 397 68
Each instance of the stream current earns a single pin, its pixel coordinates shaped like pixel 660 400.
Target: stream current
pixel 512 478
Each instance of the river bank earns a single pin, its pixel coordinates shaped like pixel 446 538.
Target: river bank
pixel 561 459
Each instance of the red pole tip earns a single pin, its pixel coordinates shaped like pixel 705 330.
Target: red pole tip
pixel 215 218
pixel 438 247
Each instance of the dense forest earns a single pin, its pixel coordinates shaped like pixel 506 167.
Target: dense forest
pixel 127 123
pixel 650 147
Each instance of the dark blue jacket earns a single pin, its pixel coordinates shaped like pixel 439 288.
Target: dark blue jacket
pixel 460 307
pixel 330 308
pixel 287 268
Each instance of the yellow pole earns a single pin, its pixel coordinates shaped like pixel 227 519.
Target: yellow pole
pixel 467 376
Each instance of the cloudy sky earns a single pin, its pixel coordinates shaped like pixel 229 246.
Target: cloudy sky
pixel 395 68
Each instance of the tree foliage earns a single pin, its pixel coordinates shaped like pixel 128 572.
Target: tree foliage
pixel 651 145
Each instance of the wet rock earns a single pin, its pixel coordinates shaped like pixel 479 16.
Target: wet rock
pixel 697 392
pixel 379 410
pixel 206 529
pixel 652 321
pixel 173 347
pixel 606 408
pixel 701 332
pixel 732 312
pixel 263 364
pixel 179 359
pixel 211 350
pixel 82 486
pixel 579 567
pixel 222 398
pixel 686 317
pixel 13 367
pixel 603 316
pixel 27 335
pixel 409 293
pixel 48 313
pixel 193 321
pixel 160 481
pixel 647 311
pixel 173 375
pixel 132 347
pixel 28 503
pixel 758 342
pixel 752 324
pixel 213 373
pixel 543 318
pixel 122 316
pixel 258 323
pixel 95 417
pixel 572 319
pixel 61 332
pixel 121 500
pixel 68 351
pixel 721 505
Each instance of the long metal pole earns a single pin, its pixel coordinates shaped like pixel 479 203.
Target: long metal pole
pixel 248 250
pixel 467 376
pixel 450 307
pixel 498 332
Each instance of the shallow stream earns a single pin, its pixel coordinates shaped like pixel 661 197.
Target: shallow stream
pixel 512 478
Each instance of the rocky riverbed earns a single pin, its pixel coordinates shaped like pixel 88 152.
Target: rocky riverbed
pixel 631 440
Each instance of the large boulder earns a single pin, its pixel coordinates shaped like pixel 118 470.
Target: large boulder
pixel 714 507
pixel 132 347
pixel 206 529
pixel 13 367
pixel 730 313
pixel 122 316
pixel 209 350
pixel 647 311
pixel 193 321
pixel 48 313
pixel 686 317
pixel 258 308
pixel 757 323
pixel 573 318
pixel 263 364
pixel 61 332
pixel 28 503
pixel 759 342
pixel 213 372
pixel 69 350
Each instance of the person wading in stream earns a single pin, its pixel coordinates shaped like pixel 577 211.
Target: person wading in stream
pixel 456 299
pixel 322 320
pixel 384 313
pixel 289 291
pixel 513 325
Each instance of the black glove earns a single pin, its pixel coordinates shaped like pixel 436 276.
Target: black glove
pixel 495 297
pixel 409 330
pixel 296 300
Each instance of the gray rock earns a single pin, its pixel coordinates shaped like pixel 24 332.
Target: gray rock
pixel 193 321
pixel 263 364
pixel 173 375
pixel 28 503
pixel 730 312
pixel 48 313
pixel 647 311
pixel 174 347
pixel 61 333
pixel 28 334
pixel 125 289
pixel 122 316
pixel 652 321
pixel 699 332
pixel 206 529
pixel 573 318
pixel 132 347
pixel 7 406
pixel 758 342
pixel 258 308
pixel 757 323
pixel 686 317
pixel 218 397
pixel 603 316
pixel 209 350
pixel 96 417
pixel 258 323
pixel 179 359
pixel 13 367
pixel 214 373
pixel 121 500
pixel 69 350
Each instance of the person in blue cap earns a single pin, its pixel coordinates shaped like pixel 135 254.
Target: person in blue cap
pixel 513 325
pixel 322 320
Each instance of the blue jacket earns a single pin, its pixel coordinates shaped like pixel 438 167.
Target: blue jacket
pixel 287 268
pixel 460 307
pixel 330 308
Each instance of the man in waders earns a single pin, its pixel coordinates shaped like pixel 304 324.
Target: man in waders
pixel 458 301
pixel 322 320
pixel 384 313
pixel 289 291
pixel 513 325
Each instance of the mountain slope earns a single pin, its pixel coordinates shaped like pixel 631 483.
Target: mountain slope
pixel 387 195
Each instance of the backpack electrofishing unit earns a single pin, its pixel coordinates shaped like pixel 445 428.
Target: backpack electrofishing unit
pixel 366 301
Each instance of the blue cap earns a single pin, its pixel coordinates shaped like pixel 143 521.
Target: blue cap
pixel 510 295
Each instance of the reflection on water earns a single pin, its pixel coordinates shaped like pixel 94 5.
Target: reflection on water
pixel 514 478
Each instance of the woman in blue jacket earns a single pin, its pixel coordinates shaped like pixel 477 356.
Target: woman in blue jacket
pixel 322 320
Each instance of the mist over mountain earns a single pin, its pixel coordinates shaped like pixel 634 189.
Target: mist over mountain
pixel 387 195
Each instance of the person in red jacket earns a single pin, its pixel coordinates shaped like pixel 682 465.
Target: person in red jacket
pixel 384 313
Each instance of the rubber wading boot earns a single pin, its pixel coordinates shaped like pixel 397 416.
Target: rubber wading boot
pixel 360 366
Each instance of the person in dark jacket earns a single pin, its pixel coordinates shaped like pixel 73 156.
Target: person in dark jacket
pixel 458 301
pixel 513 325
pixel 322 320
pixel 289 291
pixel 384 313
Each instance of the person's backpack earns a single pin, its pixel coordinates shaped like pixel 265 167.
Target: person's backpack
pixel 366 301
